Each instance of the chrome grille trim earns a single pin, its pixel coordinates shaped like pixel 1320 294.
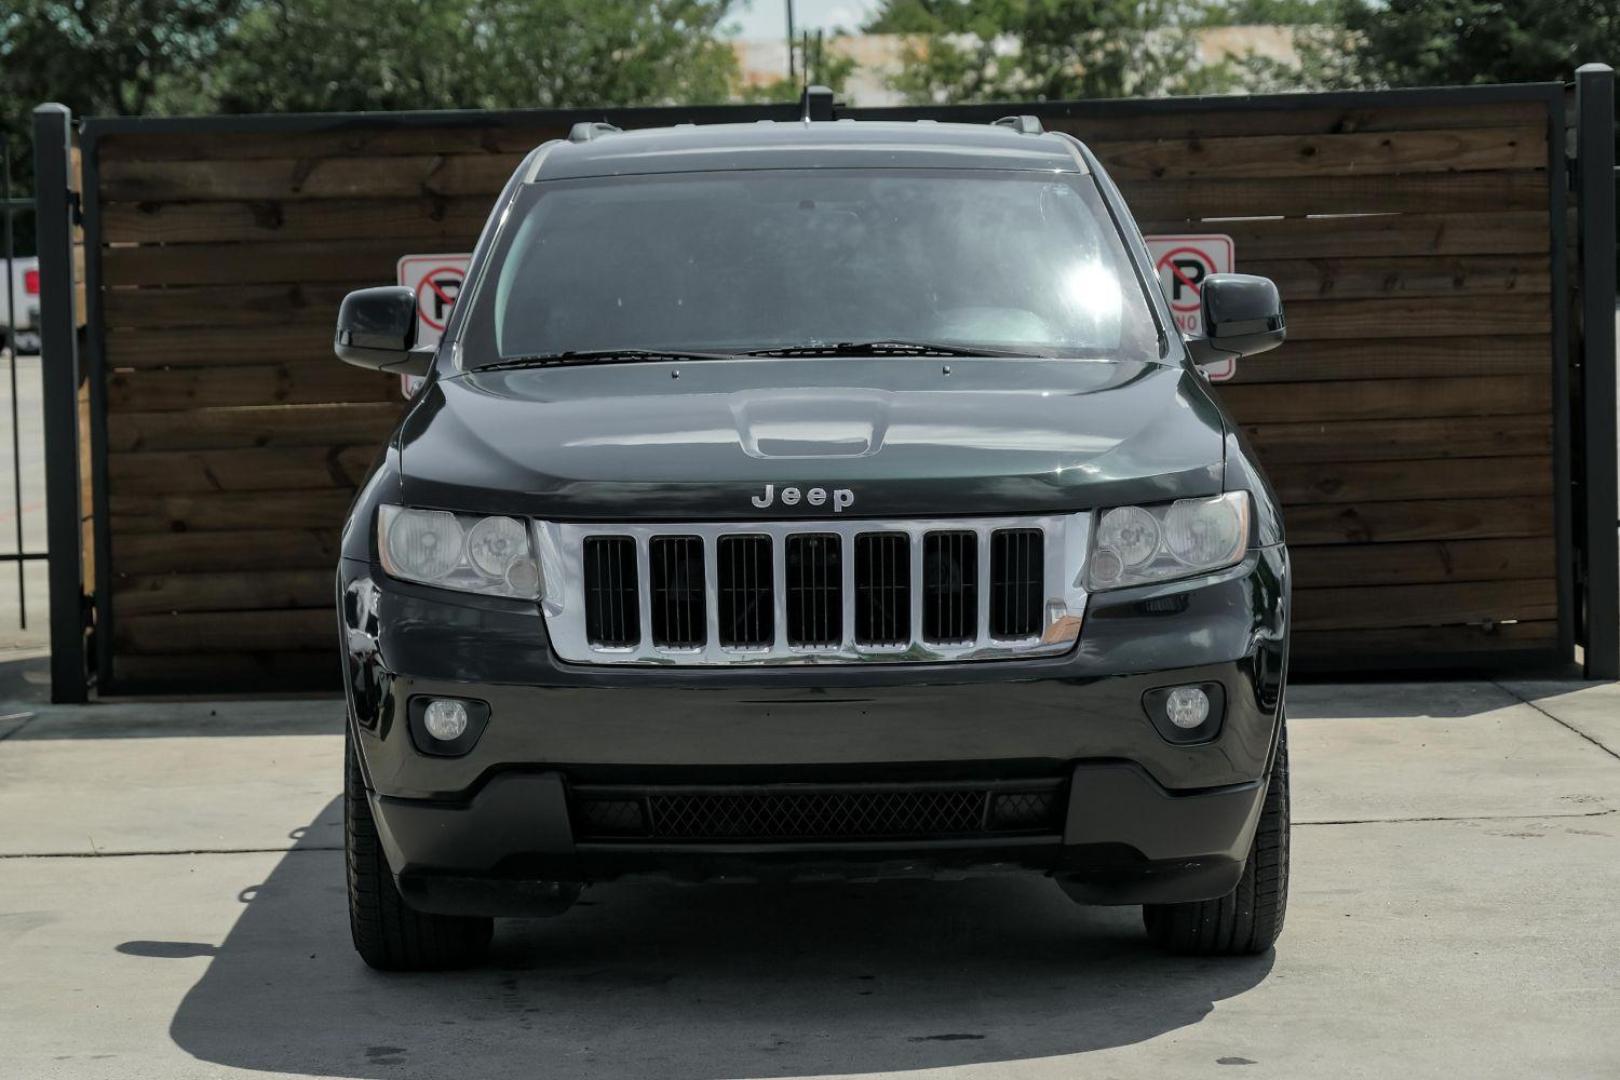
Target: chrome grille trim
pixel 561 546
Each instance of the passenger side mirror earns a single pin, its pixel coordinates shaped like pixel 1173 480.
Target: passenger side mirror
pixel 1243 315
pixel 376 328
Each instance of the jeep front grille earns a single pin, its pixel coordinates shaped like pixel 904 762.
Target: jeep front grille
pixel 815 578
pixel 813 591
pixel 950 586
pixel 882 589
pixel 747 593
pixel 612 613
pixel 785 813
pixel 678 597
pixel 1015 582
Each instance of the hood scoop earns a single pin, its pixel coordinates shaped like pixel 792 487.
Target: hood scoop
pixel 810 423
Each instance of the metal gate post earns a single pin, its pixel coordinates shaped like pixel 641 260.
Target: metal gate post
pixel 1595 179
pixel 59 367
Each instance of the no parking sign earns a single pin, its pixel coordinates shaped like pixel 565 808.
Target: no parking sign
pixel 437 281
pixel 1183 263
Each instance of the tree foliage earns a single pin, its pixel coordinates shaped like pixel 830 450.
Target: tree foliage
pixel 1457 42
pixel 475 54
pixel 126 57
pixel 145 57
pixel 979 50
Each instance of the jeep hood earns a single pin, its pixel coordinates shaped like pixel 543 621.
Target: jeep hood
pixel 906 436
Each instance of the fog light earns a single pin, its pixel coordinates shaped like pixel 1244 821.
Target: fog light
pixel 1186 706
pixel 446 720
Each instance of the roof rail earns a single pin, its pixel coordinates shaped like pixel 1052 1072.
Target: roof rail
pixel 816 104
pixel 586 130
pixel 1024 125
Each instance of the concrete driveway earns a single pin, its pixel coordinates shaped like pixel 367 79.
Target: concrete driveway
pixel 171 905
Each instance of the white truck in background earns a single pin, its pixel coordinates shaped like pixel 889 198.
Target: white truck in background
pixel 23 303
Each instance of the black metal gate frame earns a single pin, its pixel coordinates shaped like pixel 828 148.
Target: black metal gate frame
pixel 10 207
pixel 1588 563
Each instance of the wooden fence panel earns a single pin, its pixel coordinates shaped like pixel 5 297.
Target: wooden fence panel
pixel 1409 425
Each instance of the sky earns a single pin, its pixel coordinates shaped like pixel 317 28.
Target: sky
pixel 758 19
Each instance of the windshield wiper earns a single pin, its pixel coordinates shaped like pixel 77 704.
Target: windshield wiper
pixel 601 356
pixel 883 348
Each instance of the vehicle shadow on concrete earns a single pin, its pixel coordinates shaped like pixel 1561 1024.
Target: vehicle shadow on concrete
pixel 693 983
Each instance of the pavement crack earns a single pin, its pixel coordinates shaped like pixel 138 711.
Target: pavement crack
pixel 1510 692
pixel 1446 817
pixel 26 718
pixel 157 853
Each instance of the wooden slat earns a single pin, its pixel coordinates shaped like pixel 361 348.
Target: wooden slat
pixel 1297 118
pixel 1409 440
pixel 1378 235
pixel 1427 519
pixel 147 594
pixel 1386 481
pixel 1367 607
pixel 357 140
pixel 438 223
pixel 290 630
pixel 209 346
pixel 289 672
pixel 1351 279
pixel 265 548
pixel 225 305
pixel 223 429
pixel 280 305
pixel 323 510
pixel 1442 316
pixel 401 177
pixel 1376 399
pixel 180 472
pixel 1422 563
pixel 1399 358
pixel 351 140
pixel 280 262
pixel 1309 156
pixel 1385 647
pixel 191 388
pixel 1417 193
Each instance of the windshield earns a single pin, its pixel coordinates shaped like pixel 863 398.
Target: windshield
pixel 1019 262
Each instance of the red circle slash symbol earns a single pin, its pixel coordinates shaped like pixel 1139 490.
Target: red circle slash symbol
pixel 436 293
pixel 1188 268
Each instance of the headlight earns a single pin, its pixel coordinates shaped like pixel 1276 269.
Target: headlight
pixel 1134 545
pixel 491 555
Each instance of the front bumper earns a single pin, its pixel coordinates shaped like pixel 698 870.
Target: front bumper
pixel 1143 819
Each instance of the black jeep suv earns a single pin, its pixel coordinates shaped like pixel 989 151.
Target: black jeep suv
pixel 793 499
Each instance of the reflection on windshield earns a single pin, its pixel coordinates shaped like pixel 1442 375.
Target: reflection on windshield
pixel 1005 261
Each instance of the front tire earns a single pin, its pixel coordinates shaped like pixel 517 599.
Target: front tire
pixel 1247 920
pixel 389 935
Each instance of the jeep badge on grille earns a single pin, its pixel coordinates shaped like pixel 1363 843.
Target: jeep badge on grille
pixel 842 498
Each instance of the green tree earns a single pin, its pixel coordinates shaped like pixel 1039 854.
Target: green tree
pixel 980 50
pixel 1373 44
pixel 1267 12
pixel 1457 42
pixel 126 57
pixel 394 54
pixel 153 57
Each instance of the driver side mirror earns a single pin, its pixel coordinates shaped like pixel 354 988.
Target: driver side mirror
pixel 1243 315
pixel 376 329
